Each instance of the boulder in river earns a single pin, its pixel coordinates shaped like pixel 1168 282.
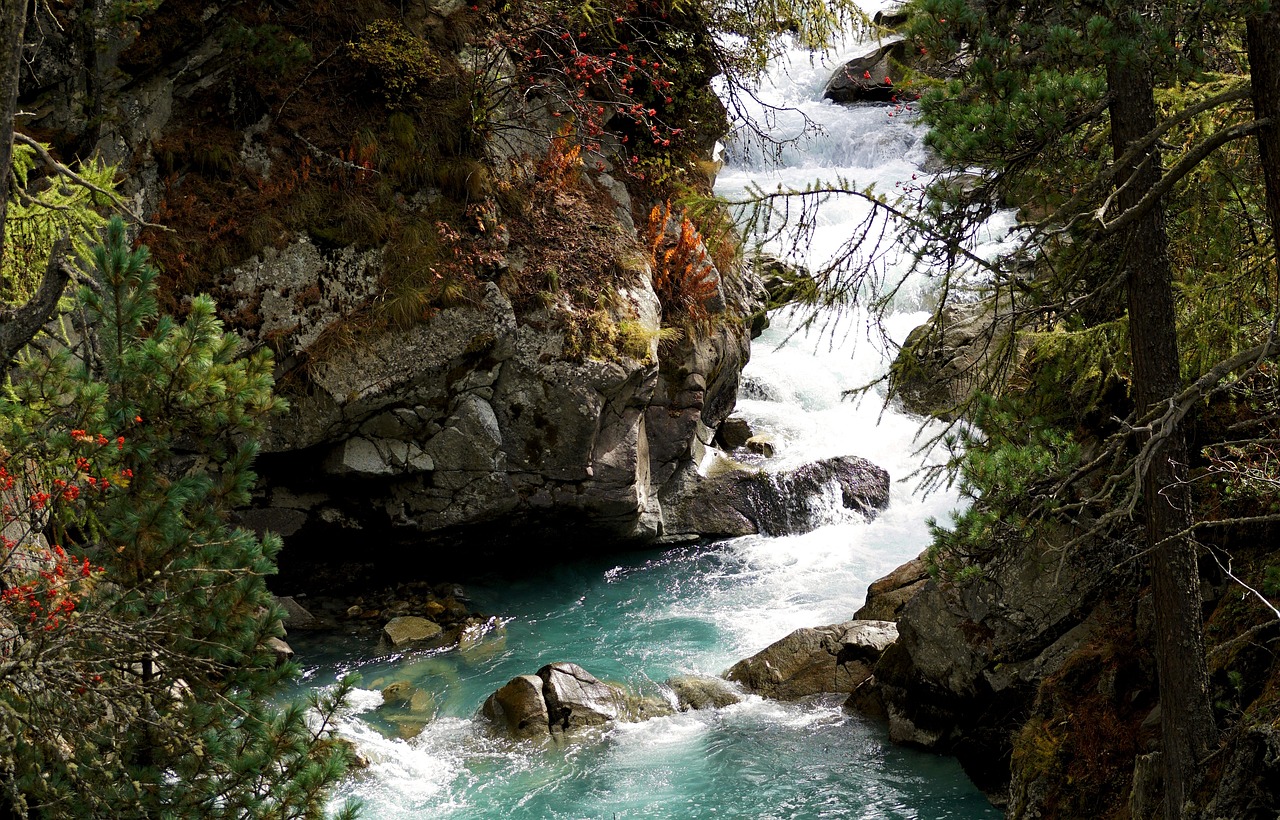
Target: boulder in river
pixel 519 709
pixel 409 630
pixel 562 698
pixel 576 698
pixel 810 661
pixel 733 433
pixel 700 692
pixel 869 78
pixel 746 502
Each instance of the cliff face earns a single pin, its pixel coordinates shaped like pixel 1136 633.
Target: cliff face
pixel 462 306
pixel 1028 655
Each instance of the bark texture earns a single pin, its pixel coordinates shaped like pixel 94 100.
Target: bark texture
pixel 1263 43
pixel 1187 726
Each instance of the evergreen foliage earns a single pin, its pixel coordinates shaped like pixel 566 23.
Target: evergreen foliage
pixel 151 695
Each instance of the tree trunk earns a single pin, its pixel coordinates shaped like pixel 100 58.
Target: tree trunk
pixel 1262 37
pixel 13 19
pixel 1186 721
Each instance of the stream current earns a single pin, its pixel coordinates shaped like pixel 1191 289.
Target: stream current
pixel 640 618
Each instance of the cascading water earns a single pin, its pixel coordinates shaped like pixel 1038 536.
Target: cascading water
pixel 642 618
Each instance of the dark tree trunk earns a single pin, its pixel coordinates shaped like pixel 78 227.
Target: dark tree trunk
pixel 1263 39
pixel 13 18
pixel 1186 722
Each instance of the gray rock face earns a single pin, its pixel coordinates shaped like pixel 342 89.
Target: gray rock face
pixel 575 698
pixel 698 692
pixel 745 502
pixel 970 655
pixel 887 596
pixel 863 79
pixel 475 417
pixel 835 658
pixel 561 699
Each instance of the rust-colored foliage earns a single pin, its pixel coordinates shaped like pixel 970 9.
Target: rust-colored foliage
pixel 559 169
pixel 683 277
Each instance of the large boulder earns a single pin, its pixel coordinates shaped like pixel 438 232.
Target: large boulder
pixel 411 630
pixel 811 661
pixel 576 698
pixel 562 699
pixel 519 708
pixel 868 78
pixel 746 502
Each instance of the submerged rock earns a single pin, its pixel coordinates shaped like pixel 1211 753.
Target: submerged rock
pixel 834 658
pixel 409 630
pixel 746 502
pixel 699 692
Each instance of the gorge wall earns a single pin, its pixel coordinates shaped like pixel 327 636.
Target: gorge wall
pixel 461 298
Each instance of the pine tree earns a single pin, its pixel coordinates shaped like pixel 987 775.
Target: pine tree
pixel 149 692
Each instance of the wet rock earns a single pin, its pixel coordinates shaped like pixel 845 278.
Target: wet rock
pixel 411 630
pixel 762 444
pixel 296 616
pixel 519 708
pixel 698 692
pixel 833 658
pixel 887 596
pixel 733 433
pixel 398 692
pixel 869 78
pixel 576 698
pixel 746 502
pixel 282 650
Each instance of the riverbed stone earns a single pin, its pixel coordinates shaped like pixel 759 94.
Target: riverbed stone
pixel 702 692
pixel 519 709
pixel 576 698
pixel 810 661
pixel 746 502
pixel 409 630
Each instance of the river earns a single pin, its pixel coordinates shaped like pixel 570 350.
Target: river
pixel 642 617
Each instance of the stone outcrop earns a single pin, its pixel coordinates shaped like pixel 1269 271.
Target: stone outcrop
pixel 810 661
pixel 971 655
pixel 478 416
pixel 944 361
pixel 745 502
pixel 562 699
pixel 887 596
